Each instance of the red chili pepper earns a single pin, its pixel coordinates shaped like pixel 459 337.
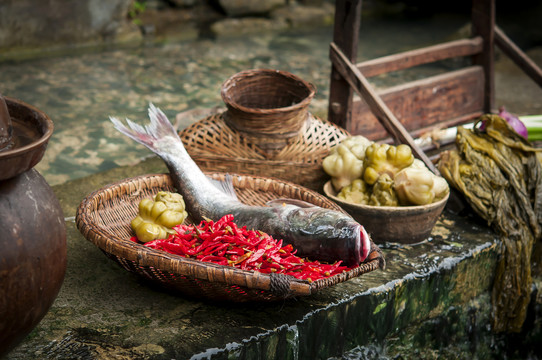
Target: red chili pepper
pixel 240 259
pixel 173 248
pixel 220 260
pixel 256 256
pixel 214 248
pixel 224 243
pixel 235 251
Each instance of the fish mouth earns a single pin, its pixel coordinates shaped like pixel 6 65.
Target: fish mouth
pixel 363 245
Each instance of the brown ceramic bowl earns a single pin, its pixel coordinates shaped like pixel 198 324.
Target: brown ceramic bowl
pixel 401 224
pixel 39 128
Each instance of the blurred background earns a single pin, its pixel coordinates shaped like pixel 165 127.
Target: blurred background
pixel 83 61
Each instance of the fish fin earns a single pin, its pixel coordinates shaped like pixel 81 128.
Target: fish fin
pixel 148 135
pixel 288 201
pixel 226 186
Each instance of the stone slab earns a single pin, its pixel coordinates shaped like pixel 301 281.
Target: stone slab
pixel 102 311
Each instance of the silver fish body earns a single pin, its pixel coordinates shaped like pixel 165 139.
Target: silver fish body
pixel 317 233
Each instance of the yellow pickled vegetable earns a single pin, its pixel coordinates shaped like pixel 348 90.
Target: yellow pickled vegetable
pixel 345 161
pixel 357 145
pixel 355 193
pixel 417 185
pixel 343 167
pixel 157 217
pixel 440 187
pixel 383 193
pixel 385 159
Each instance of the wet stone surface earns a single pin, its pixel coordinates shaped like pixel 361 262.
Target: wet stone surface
pixel 102 311
pixel 431 302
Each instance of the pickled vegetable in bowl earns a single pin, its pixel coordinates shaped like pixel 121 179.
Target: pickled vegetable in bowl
pixel 392 194
pixel 400 224
pixel 369 173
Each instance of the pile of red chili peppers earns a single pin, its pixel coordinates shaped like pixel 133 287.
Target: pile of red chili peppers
pixel 224 243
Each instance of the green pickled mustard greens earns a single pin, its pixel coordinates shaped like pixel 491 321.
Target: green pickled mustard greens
pixel 383 193
pixel 498 172
pixel 357 192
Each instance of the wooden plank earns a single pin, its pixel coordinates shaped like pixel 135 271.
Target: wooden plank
pixel 519 57
pixel 408 59
pixel 425 103
pixel 362 86
pixel 345 35
pixel 483 24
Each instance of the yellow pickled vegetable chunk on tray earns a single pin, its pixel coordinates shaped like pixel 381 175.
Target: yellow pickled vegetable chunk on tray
pixel 157 217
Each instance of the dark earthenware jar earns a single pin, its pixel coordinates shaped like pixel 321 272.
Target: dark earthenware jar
pixel 32 232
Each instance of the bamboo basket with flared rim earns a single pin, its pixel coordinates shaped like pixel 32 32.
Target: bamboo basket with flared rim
pixel 104 217
pixel 215 146
pixel 267 103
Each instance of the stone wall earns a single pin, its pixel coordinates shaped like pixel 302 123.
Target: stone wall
pixel 26 23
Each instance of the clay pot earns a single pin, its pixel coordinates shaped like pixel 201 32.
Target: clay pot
pixel 32 240
pixel 33 130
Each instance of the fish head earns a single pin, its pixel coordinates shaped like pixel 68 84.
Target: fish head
pixel 365 242
pixel 329 235
pixel 361 244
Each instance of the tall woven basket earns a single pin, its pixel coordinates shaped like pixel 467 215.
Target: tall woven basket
pixel 267 106
pixel 266 130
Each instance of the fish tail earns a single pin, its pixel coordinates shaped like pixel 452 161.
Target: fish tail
pixel 150 135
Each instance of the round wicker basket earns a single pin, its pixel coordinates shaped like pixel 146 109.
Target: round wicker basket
pixel 268 106
pixel 104 216
pixel 215 146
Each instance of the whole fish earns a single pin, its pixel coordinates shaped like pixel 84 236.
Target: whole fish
pixel 317 233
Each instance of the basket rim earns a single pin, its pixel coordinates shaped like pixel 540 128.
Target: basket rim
pixel 144 256
pixel 228 83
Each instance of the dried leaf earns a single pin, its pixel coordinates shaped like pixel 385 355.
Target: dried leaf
pixel 500 176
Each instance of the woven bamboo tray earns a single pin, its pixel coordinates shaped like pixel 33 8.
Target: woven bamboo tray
pixel 216 147
pixel 104 216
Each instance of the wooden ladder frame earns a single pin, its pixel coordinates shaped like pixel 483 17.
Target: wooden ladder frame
pixel 467 93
